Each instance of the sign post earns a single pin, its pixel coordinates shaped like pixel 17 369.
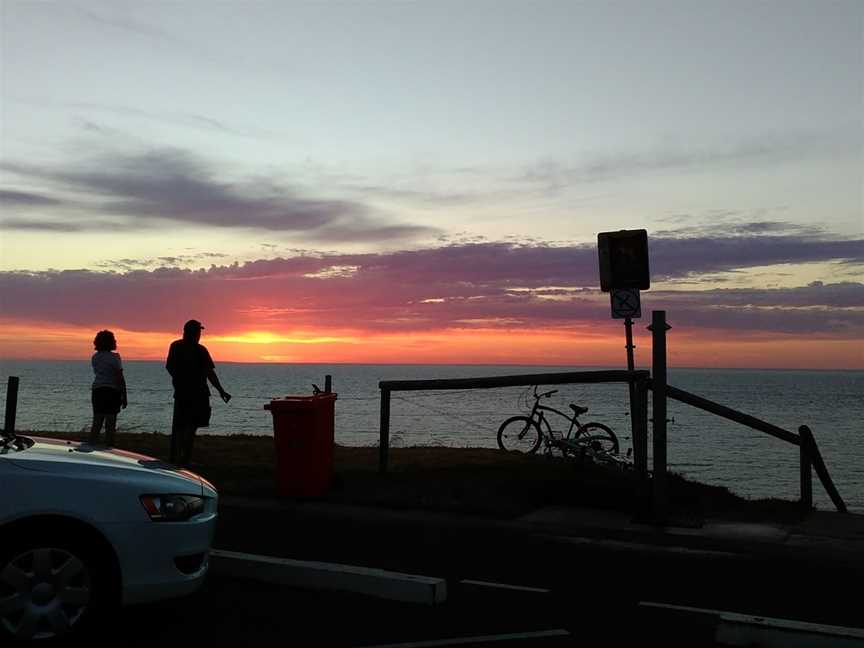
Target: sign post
pixel 623 257
pixel 626 305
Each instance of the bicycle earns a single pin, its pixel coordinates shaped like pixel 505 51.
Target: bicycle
pixel 526 433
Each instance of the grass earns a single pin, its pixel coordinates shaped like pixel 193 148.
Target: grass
pixel 479 481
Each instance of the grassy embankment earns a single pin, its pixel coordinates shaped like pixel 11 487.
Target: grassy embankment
pixel 466 480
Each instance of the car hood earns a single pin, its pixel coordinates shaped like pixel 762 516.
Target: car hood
pixel 55 455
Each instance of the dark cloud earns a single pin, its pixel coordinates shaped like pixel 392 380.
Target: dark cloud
pixel 77 225
pixel 558 174
pixel 127 24
pixel 681 257
pixel 176 118
pixel 740 228
pixel 817 294
pixel 26 199
pixel 123 265
pixel 835 310
pixel 428 198
pixel 152 188
pixel 191 120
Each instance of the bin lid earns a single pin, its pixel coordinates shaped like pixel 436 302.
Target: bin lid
pixel 298 402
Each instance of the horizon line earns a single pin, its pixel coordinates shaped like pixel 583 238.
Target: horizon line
pixel 459 364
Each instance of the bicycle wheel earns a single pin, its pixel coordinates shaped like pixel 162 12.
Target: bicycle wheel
pixel 599 438
pixel 519 433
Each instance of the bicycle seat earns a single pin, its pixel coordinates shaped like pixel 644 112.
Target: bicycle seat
pixel 578 410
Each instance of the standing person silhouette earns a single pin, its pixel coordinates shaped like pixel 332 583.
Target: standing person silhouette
pixel 108 395
pixel 190 366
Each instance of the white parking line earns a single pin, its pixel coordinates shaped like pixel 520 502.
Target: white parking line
pixel 518 588
pixel 641 547
pixel 465 641
pixel 331 576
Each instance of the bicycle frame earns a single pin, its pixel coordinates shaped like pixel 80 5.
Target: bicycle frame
pixel 538 415
pixel 579 439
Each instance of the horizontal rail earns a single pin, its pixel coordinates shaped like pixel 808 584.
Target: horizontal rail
pixel 810 454
pixel 490 382
pixel 731 414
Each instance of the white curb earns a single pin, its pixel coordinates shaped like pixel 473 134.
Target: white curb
pixel 331 576
pixel 504 586
pixel 483 639
pixel 733 629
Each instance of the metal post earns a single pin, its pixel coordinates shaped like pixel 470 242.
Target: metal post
pixel 640 435
pixel 11 405
pixel 806 476
pixel 640 450
pixel 328 384
pixel 384 439
pixel 658 330
pixel 818 462
pixel 628 330
pixel 635 408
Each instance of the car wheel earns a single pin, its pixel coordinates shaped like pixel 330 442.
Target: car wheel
pixel 47 589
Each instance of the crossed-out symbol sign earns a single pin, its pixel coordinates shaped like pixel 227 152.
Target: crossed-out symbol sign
pixel 625 303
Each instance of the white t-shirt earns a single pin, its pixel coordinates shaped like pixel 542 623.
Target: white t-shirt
pixel 107 370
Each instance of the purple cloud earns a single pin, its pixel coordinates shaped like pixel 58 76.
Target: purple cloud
pixel 471 285
pixel 679 257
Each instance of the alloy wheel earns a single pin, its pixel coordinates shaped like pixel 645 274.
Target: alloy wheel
pixel 44 592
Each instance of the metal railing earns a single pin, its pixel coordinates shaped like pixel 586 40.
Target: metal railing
pixel 639 382
pixel 490 382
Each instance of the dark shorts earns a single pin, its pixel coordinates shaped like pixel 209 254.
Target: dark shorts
pixel 192 412
pixel 106 401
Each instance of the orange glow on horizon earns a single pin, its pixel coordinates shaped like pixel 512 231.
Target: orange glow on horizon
pixel 577 346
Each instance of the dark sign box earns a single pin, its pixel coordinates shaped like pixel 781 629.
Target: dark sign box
pixel 623 259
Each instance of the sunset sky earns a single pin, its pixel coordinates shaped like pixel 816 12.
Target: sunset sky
pixel 424 181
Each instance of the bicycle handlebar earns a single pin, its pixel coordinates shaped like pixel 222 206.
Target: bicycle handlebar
pixel 545 394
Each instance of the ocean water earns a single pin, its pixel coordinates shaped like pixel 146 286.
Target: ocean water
pixel 56 396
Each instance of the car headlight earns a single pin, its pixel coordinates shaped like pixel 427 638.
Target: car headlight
pixel 172 508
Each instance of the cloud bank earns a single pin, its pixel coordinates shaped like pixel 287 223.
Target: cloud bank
pixel 475 285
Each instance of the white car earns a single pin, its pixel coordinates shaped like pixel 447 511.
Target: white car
pixel 84 528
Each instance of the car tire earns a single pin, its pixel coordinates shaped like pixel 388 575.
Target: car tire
pixel 51 586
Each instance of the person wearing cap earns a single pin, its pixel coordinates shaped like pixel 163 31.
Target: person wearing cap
pixel 190 366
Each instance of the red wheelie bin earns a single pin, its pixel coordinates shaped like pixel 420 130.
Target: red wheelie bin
pixel 303 435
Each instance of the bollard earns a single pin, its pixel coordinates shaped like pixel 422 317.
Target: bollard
pixel 658 330
pixel 11 405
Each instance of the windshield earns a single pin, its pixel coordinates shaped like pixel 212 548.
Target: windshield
pixel 14 444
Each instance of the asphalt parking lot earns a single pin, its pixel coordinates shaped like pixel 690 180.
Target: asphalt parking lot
pixel 567 591
pixel 236 612
pixel 241 612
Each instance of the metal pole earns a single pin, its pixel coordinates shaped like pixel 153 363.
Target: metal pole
pixel 11 405
pixel 631 388
pixel 640 442
pixel 384 440
pixel 328 384
pixel 637 432
pixel 628 329
pixel 658 330
pixel 808 442
pixel 640 449
pixel 806 477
